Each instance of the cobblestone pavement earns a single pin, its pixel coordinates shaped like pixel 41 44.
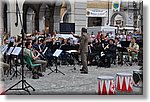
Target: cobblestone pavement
pixel 72 82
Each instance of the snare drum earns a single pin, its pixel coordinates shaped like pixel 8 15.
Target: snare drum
pixel 106 85
pixel 124 82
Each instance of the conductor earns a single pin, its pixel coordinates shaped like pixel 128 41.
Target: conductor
pixel 83 49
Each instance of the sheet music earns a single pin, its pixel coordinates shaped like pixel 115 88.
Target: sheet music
pixel 16 51
pixel 4 49
pixel 57 52
pixel 72 51
pixel 10 50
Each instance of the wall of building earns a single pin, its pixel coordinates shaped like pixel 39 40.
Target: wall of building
pixel 79 15
pixel 76 12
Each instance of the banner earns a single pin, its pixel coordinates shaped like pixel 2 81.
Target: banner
pixel 116 5
pixel 96 12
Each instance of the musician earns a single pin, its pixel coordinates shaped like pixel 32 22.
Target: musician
pixel 56 45
pixel 110 52
pixel 133 49
pixel 117 42
pixel 96 48
pixel 35 44
pixel 43 45
pixel 118 45
pixel 3 67
pixel 65 46
pixel 48 54
pixel 19 41
pixel 83 49
pixel 106 41
pixel 35 58
pixel 99 33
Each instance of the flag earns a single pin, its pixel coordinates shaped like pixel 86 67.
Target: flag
pixel 116 5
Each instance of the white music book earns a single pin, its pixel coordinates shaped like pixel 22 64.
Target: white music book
pixel 16 51
pixel 10 50
pixel 57 52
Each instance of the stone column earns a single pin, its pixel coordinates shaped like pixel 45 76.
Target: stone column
pixel 1 22
pixel 11 14
pixel 37 21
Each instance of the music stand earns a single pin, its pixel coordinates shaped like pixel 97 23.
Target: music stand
pixel 72 52
pixel 8 53
pixel 24 84
pixel 16 52
pixel 43 53
pixel 56 55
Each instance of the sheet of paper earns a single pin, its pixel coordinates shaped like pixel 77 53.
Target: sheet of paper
pixel 4 49
pixel 16 51
pixel 57 52
pixel 10 50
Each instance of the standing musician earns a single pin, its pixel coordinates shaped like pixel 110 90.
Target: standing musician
pixel 83 49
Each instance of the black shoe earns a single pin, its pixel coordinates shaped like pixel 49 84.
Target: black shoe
pixel 84 72
pixel 108 66
pixel 81 70
pixel 40 74
pixel 130 64
pixel 35 76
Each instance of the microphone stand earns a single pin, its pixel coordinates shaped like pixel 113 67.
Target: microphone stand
pixel 24 84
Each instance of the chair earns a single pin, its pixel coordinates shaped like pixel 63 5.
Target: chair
pixel 30 64
pixel 27 69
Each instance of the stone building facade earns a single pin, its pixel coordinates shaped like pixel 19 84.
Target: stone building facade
pixel 46 15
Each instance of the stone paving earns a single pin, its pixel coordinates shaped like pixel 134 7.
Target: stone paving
pixel 72 82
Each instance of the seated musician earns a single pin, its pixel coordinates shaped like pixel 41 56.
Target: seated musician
pixel 4 67
pixel 55 45
pixel 133 49
pixel 110 52
pixel 96 49
pixel 35 58
pixel 48 53
pixel 19 41
pixel 106 40
pixel 35 44
pixel 117 42
pixel 65 46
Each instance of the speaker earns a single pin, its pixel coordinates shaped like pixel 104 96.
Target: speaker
pixel 67 28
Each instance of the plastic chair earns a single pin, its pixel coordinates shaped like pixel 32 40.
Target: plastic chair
pixel 29 63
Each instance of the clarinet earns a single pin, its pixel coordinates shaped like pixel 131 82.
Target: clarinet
pixel 41 55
